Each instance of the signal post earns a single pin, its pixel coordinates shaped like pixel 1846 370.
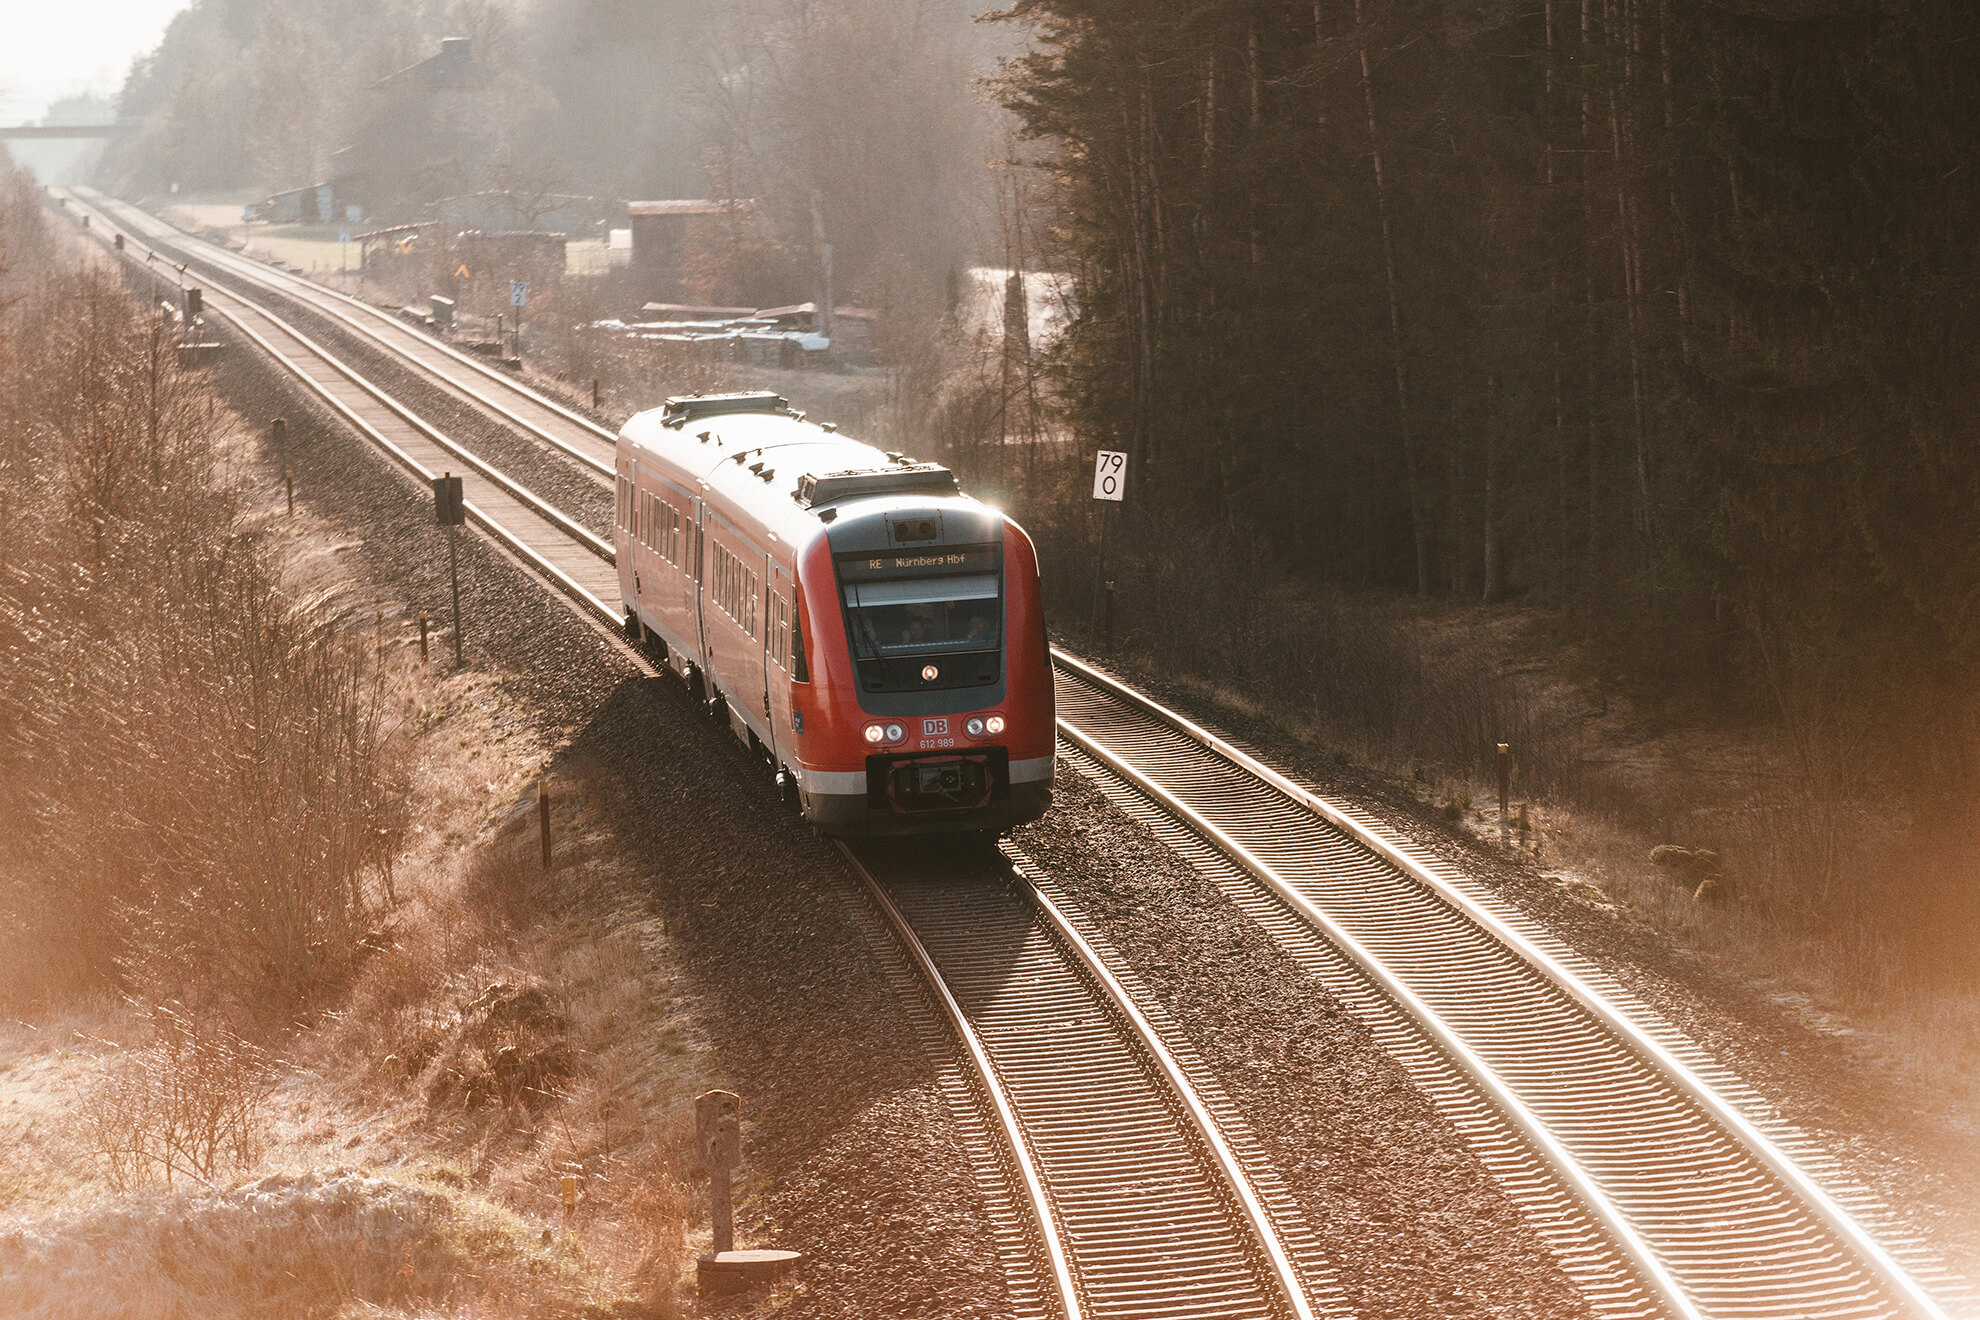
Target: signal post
pixel 450 511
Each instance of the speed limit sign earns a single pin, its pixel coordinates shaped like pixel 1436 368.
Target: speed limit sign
pixel 1110 475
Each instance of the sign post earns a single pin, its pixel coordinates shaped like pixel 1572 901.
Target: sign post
pixel 518 299
pixel 718 1147
pixel 450 511
pixel 344 252
pixel 1110 485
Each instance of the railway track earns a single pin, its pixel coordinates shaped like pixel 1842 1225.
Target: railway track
pixel 1658 1193
pixel 1152 1199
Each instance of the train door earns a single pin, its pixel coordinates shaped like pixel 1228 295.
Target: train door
pixel 781 629
pixel 694 588
pixel 622 528
pixel 766 634
pixel 638 533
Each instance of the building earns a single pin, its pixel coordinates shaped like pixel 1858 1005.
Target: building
pixel 671 238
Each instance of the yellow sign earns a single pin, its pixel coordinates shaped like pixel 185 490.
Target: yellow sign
pixel 462 273
pixel 405 245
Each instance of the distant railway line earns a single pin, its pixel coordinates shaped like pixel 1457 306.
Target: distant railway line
pixel 1658 1183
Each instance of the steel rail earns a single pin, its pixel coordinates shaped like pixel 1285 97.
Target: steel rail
pixel 1672 1071
pixel 1555 1156
pixel 329 302
pixel 1031 1183
pixel 1120 1253
pixel 1207 1127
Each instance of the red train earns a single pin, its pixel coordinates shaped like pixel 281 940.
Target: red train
pixel 872 632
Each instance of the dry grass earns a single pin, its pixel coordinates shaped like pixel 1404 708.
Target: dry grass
pixel 334 1243
pixel 243 786
pixel 187 1103
pixel 197 781
pixel 514 1029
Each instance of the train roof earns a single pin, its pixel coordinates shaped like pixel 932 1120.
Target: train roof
pixel 792 475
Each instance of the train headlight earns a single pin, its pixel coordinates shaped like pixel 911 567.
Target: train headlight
pixel 895 733
pixel 929 673
pixel 975 726
pixel 994 725
pixel 876 733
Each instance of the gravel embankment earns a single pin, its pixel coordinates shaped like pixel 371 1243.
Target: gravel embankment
pixel 1413 1225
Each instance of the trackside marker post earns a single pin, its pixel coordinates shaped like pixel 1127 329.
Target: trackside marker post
pixel 718 1144
pixel 718 1149
pixel 450 511
pixel 1505 786
pixel 543 817
pixel 1110 484
pixel 518 299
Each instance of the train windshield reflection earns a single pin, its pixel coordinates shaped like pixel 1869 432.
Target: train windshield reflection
pixel 919 616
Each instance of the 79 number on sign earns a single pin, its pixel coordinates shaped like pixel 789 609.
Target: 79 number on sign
pixel 1110 475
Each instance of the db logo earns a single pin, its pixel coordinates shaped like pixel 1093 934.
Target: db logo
pixel 934 728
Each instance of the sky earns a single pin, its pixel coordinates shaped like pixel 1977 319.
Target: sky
pixel 54 48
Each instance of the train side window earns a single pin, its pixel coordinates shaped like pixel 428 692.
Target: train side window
pixel 800 672
pixel 619 504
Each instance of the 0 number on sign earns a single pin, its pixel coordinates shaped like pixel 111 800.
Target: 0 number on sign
pixel 1110 475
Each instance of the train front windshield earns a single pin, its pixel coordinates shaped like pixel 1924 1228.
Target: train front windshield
pixel 925 616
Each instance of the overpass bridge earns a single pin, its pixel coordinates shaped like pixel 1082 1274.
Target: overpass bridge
pixel 46 132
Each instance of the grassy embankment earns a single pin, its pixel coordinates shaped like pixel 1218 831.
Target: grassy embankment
pixel 291 1021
